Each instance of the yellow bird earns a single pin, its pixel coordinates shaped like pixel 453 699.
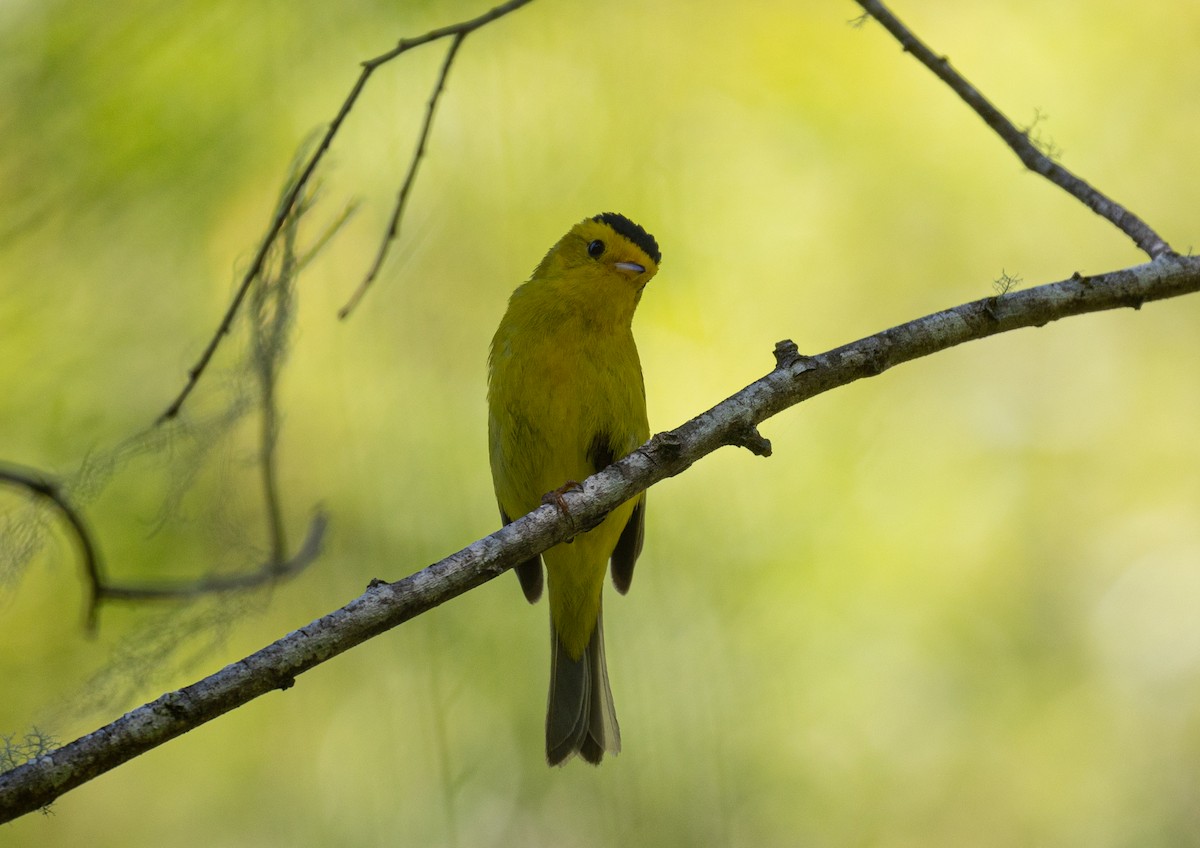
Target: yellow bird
pixel 565 400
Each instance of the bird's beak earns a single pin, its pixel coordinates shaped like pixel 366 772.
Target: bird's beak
pixel 631 267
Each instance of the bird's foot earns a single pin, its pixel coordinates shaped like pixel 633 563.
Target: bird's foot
pixel 556 498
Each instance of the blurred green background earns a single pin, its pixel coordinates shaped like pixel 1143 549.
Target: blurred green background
pixel 957 606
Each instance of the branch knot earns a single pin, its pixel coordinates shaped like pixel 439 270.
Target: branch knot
pixel 749 438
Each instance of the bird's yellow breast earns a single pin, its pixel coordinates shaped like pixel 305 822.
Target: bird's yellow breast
pixel 560 378
pixel 557 380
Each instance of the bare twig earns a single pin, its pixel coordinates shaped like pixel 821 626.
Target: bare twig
pixel 1034 159
pixel 394 226
pixel 383 606
pixel 270 571
pixel 285 208
pixel 271 312
pixel 48 490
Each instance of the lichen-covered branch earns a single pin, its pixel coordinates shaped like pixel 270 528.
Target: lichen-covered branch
pixel 734 421
pixel 1149 241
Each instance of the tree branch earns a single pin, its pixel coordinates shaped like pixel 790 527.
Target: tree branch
pixel 1143 236
pixel 271 571
pixel 393 229
pixel 734 421
pixel 282 213
pixel 383 606
pixel 43 487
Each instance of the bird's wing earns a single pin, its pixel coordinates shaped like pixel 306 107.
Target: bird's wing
pixel 528 572
pixel 625 554
pixel 629 546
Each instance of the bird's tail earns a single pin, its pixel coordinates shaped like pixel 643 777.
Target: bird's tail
pixel 580 718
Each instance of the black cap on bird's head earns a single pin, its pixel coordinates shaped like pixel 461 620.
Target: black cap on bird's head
pixel 631 231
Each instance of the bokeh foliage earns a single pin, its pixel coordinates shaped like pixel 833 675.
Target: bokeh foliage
pixel 955 607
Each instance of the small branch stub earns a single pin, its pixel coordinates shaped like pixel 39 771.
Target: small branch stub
pixel 752 440
pixel 786 353
pixel 789 358
pixel 668 445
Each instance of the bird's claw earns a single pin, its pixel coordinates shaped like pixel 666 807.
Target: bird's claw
pixel 556 498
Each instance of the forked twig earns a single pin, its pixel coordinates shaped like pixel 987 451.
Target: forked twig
pixel 1127 222
pixel 285 209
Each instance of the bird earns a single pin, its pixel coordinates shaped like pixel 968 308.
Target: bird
pixel 566 399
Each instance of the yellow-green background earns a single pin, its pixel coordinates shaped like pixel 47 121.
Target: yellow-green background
pixel 956 607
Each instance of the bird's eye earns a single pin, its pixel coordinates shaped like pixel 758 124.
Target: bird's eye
pixel 595 248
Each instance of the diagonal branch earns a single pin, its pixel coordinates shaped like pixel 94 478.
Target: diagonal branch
pixel 732 422
pixel 1127 222
pixel 459 30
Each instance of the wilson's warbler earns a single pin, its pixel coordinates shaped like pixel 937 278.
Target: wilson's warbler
pixel 565 400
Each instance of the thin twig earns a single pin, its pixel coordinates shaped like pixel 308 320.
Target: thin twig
pixel 270 571
pixel 281 214
pixel 47 489
pixel 394 226
pixel 256 265
pixel 1035 160
pixel 333 229
pixel 383 606
pixel 271 313
pixel 266 358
